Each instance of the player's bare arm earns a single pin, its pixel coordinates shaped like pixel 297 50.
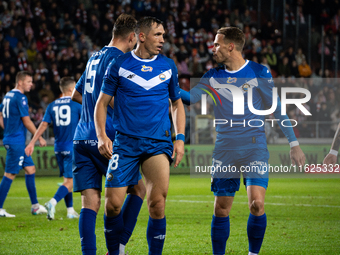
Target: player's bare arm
pixel 100 112
pixel 178 115
pixel 331 157
pixel 76 96
pixel 2 121
pixel 297 156
pixel 31 128
pixel 41 129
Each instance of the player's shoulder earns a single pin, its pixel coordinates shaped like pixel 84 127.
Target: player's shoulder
pixel 259 70
pixel 119 60
pixel 161 57
pixel 213 71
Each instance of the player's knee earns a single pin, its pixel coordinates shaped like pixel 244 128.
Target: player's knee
pixel 156 207
pixel 256 207
pixel 221 210
pixel 10 176
pixel 111 208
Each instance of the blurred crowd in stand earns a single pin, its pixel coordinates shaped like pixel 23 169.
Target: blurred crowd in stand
pixel 55 38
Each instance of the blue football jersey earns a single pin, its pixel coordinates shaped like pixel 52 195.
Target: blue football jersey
pixel 142 88
pixel 14 106
pixel 65 114
pixel 242 130
pixel 89 86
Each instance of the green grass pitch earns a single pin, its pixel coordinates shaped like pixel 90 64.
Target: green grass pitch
pixel 303 218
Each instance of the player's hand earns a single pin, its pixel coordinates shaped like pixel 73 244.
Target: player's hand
pixel 42 142
pixel 29 149
pixel 178 151
pixel 330 159
pixel 297 156
pixel 105 147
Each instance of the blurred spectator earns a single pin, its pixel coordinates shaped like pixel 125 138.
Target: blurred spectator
pixel 324 115
pixel 299 57
pixel 47 91
pixel 295 70
pixel 304 69
pixel 271 58
pixel 284 68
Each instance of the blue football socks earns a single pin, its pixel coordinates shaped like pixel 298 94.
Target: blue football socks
pixel 130 211
pixel 30 185
pixel 61 193
pixel 155 234
pixel 4 188
pixel 87 225
pixel 220 229
pixel 256 228
pixel 69 200
pixel 113 228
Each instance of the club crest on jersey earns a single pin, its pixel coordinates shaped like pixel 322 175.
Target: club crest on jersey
pixel 162 77
pixel 245 87
pixel 231 80
pixel 109 177
pixel 146 68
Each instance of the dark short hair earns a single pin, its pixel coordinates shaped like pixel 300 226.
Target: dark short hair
pixel 144 24
pixel 65 82
pixel 22 75
pixel 234 35
pixel 124 25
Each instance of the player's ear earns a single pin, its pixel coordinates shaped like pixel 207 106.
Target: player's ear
pixel 131 36
pixel 231 46
pixel 141 37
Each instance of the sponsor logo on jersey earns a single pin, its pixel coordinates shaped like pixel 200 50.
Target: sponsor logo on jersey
pixel 245 87
pixel 146 68
pixel 231 80
pixel 162 77
pixel 271 80
pixel 259 166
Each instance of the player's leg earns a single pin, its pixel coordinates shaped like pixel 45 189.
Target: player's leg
pixel 29 168
pixel 5 185
pixel 62 191
pixel 257 220
pixel 87 179
pixel 130 211
pixel 156 171
pixel 220 224
pixel 122 171
pixel 256 182
pixel 90 199
pixel 12 168
pixel 113 218
pixel 71 213
pixel 225 182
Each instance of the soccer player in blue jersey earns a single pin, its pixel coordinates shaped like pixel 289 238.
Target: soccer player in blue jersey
pixel 90 165
pixel 65 114
pixel 142 82
pixel 16 121
pixel 240 145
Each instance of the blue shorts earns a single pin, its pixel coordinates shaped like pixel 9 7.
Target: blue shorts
pixel 128 154
pixel 89 165
pixel 16 159
pixel 228 166
pixel 65 163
